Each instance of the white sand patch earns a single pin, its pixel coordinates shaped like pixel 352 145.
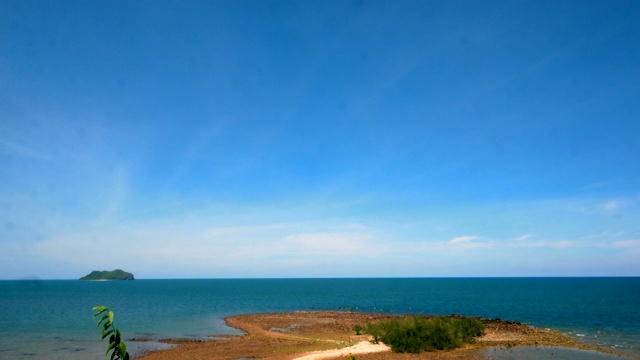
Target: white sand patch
pixel 363 347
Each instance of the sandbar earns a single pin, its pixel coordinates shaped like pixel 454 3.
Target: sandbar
pixel 315 335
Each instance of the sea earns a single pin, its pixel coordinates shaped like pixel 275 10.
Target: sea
pixel 53 319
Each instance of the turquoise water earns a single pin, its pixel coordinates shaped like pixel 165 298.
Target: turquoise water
pixel 53 319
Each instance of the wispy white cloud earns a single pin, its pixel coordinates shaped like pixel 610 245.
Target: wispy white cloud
pixel 555 244
pixel 226 240
pixel 605 235
pixel 218 232
pixel 178 247
pixel 596 185
pixel 467 242
pixel 335 244
pixel 559 244
pixel 612 205
pixel 282 240
pixel 462 239
pixel 476 245
pixel 22 150
pixel 523 237
pixel 627 244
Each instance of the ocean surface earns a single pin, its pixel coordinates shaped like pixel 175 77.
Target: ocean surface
pixel 53 319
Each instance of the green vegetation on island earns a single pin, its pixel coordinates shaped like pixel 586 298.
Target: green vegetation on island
pixel 108 275
pixel 413 334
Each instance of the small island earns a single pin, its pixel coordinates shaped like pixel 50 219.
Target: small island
pixel 104 275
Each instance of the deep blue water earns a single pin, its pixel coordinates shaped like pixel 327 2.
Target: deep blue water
pixel 53 319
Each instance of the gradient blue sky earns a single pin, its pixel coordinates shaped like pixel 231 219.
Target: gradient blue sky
pixel 319 138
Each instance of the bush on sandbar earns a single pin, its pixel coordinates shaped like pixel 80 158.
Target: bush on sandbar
pixel 416 334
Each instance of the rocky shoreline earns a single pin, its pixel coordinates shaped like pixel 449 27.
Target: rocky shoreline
pixel 289 336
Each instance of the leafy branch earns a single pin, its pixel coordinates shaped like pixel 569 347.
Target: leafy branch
pixel 116 345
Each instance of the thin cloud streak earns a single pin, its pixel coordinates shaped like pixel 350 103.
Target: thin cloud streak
pixel 523 237
pixel 22 150
pixel 462 239
pixel 627 244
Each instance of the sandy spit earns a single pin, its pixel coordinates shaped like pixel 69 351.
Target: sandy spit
pixel 363 347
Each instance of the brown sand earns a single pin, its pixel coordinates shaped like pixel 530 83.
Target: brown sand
pixel 322 335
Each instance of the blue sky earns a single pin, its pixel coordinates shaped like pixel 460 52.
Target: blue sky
pixel 319 138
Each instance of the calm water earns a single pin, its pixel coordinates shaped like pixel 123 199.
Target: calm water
pixel 53 319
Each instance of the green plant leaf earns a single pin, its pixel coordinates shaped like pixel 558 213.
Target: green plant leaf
pixel 123 349
pixel 101 320
pixel 111 346
pixel 116 345
pixel 105 333
pixel 99 313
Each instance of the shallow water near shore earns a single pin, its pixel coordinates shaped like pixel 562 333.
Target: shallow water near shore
pixel 53 319
pixel 543 352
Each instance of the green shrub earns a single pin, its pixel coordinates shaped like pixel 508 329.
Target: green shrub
pixel 116 345
pixel 417 334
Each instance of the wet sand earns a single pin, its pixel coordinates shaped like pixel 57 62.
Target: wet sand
pixel 308 335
